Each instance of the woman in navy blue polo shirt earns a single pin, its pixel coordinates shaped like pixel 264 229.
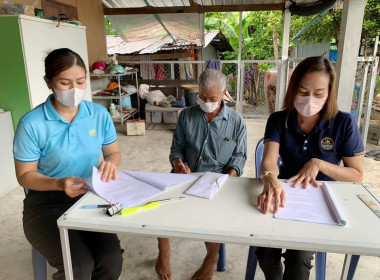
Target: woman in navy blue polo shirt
pixel 313 138
pixel 55 148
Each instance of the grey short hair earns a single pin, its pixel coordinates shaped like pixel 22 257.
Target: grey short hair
pixel 211 78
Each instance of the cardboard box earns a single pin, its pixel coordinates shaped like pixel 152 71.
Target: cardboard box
pixel 135 127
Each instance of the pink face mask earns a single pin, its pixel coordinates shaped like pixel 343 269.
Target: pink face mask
pixel 308 106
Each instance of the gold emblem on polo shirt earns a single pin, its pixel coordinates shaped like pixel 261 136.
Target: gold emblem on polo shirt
pixel 327 144
pixel 92 132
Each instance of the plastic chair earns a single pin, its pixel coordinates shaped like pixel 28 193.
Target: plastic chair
pixel 38 260
pixel 320 257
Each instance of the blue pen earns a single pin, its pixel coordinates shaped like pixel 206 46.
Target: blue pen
pixel 95 206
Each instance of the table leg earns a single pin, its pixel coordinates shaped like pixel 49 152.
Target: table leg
pixel 65 244
pixel 346 266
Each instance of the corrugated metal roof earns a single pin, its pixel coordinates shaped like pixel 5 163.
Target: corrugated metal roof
pixel 116 45
pixel 183 3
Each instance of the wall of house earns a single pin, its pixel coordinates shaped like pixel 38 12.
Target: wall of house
pixel 90 14
pixel 208 53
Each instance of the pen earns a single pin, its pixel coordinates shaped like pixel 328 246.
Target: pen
pixel 95 206
pixel 149 205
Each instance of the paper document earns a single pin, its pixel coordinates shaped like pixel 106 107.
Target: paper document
pixel 207 185
pixel 315 205
pixel 133 187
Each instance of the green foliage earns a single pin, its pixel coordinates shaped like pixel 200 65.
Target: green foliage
pixel 257 29
pixel 371 22
pixel 109 28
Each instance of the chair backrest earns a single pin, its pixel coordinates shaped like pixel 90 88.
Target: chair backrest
pixel 259 156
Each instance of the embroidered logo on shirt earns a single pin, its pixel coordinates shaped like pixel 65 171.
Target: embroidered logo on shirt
pixel 92 132
pixel 327 144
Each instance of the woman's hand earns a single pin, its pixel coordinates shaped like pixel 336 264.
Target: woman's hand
pixel 108 170
pixel 307 174
pixel 273 191
pixel 73 186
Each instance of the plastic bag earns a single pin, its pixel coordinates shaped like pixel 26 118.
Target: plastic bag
pixel 11 8
pixel 129 89
pixel 155 95
pixel 143 91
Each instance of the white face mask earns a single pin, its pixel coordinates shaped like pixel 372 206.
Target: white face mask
pixel 208 107
pixel 71 97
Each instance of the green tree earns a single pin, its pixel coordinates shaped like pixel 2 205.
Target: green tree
pixel 109 28
pixel 258 29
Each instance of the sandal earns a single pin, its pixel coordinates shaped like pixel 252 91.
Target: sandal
pixel 377 156
pixel 371 153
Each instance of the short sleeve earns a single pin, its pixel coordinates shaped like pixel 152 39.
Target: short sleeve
pixel 110 135
pixel 352 144
pixel 273 127
pixel 25 144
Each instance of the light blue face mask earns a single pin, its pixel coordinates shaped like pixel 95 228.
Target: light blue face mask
pixel 208 107
pixel 69 98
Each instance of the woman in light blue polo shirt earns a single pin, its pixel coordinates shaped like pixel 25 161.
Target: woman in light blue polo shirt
pixel 312 137
pixel 55 147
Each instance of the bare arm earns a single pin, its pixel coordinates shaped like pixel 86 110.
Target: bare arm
pixel 352 171
pixel 112 159
pixel 29 177
pixel 272 187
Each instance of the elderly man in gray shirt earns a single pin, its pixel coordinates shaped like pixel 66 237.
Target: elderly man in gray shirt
pixel 209 137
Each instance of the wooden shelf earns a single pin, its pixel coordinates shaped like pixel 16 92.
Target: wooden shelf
pixel 125 116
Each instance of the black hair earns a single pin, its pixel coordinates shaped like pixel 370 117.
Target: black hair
pixel 59 60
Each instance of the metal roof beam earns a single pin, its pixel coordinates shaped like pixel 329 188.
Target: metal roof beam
pixel 193 9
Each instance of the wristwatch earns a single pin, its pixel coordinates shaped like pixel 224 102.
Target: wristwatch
pixel 265 173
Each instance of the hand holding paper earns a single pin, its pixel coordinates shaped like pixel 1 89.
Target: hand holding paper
pixel 133 187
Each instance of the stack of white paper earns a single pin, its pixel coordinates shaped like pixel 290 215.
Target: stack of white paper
pixel 133 187
pixel 207 185
pixel 316 205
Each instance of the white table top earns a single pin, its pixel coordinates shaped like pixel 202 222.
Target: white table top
pixel 231 218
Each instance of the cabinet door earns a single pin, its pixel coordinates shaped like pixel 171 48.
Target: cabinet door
pixel 39 37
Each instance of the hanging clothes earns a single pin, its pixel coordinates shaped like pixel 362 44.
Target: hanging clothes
pixel 159 70
pixel 214 64
pixel 147 69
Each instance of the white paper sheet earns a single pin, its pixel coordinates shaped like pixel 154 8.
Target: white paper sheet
pixel 308 205
pixel 207 185
pixel 128 190
pixel 161 180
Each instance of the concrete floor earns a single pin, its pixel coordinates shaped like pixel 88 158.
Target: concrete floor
pixel 150 153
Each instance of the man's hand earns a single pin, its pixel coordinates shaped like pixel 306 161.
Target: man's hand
pixel 273 191
pixel 307 174
pixel 73 186
pixel 180 167
pixel 108 170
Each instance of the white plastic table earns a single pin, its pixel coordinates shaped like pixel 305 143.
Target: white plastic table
pixel 230 217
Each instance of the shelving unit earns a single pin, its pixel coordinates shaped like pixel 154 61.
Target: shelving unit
pixel 125 113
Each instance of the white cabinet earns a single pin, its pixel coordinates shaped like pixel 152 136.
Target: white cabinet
pixel 27 41
pixel 7 166
pixel 125 113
